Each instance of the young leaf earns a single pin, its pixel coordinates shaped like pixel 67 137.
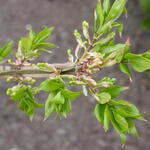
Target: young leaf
pixel 132 111
pixel 50 108
pixel 120 103
pixel 58 99
pixel 105 28
pixel 43 45
pixel 139 63
pixel 99 15
pixel 114 90
pixel 104 41
pixel 30 111
pixel 50 85
pixel 99 112
pixel 43 35
pixel 118 130
pixel 26 44
pixel 132 128
pixel 66 108
pixel 116 10
pixel 104 97
pixel 5 50
pixel 107 118
pixel 125 69
pixel 106 6
pixel 122 111
pixel 24 96
pixel 28 95
pixel 119 27
pixel 122 122
pixel 147 54
pixel 111 49
pixel 70 95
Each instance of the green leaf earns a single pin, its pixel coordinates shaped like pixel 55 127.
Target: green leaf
pixel 116 10
pixel 125 69
pixel 56 103
pixel 50 108
pixel 122 111
pixel 105 28
pixel 5 50
pixel 125 12
pixel 126 109
pixel 132 111
pixel 120 103
pixel 107 118
pixel 50 85
pixel 119 130
pixel 43 35
pixel 66 108
pixel 28 95
pixel 111 49
pixel 106 6
pixel 146 54
pixel 26 44
pixel 132 128
pixel 104 41
pixel 70 94
pixel 99 112
pixel 30 111
pixel 43 45
pixel 119 27
pixel 121 121
pixel 24 96
pixel 139 63
pixel 114 90
pixel 104 97
pixel 58 99
pixel 99 16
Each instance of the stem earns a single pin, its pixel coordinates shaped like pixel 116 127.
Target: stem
pixel 88 49
pixel 34 71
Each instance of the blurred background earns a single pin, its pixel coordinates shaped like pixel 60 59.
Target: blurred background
pixel 81 130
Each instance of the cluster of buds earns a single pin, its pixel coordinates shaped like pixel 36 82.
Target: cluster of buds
pixel 16 90
pixel 18 64
pixel 91 63
pixel 21 79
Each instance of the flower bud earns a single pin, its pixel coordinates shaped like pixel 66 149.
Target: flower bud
pixel 85 28
pixel 77 34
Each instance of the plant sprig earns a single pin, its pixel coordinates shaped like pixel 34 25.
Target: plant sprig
pixel 92 54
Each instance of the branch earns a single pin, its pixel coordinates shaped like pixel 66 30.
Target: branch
pixel 34 71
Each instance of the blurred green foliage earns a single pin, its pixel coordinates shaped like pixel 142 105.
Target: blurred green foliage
pixel 145 4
